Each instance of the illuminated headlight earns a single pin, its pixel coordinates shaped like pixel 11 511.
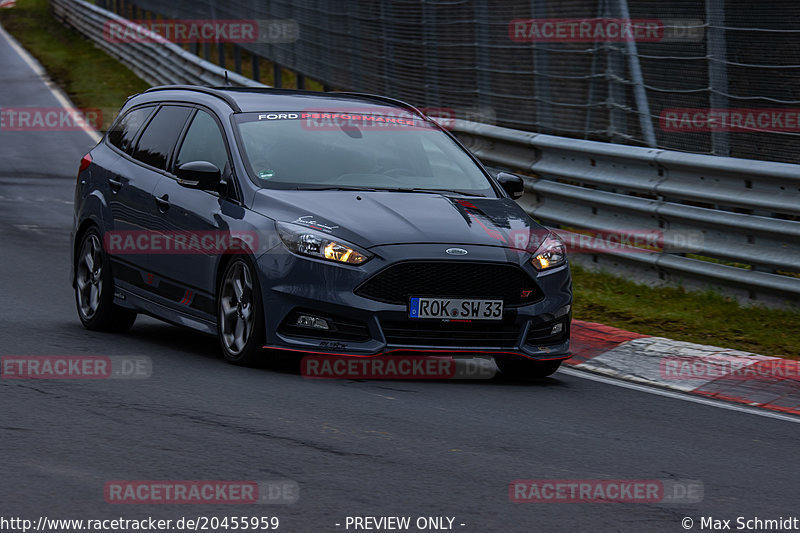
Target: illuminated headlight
pixel 552 253
pixel 302 240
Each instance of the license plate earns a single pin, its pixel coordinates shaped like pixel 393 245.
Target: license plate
pixel 454 308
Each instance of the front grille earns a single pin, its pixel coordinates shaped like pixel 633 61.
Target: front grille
pixel 451 334
pixel 489 281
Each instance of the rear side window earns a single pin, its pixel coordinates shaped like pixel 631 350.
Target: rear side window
pixel 203 142
pixel 160 135
pixel 124 132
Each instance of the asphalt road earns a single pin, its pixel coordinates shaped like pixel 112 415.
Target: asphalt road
pixel 355 448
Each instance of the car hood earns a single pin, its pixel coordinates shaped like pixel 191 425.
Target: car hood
pixel 368 218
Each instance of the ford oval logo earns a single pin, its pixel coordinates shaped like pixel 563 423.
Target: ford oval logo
pixel 456 251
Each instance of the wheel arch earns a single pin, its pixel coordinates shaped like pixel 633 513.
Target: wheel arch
pixel 84 226
pixel 239 250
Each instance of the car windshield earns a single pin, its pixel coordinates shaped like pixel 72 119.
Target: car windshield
pixel 341 150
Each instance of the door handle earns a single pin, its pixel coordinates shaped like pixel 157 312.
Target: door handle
pixel 162 203
pixel 116 185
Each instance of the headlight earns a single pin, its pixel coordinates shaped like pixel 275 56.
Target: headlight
pixel 302 240
pixel 552 253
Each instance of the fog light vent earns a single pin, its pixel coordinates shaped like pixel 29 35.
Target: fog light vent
pixel 313 322
pixel 557 328
pixel 308 324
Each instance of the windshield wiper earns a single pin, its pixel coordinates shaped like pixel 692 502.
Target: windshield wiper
pixel 389 189
pixel 339 188
pixel 437 191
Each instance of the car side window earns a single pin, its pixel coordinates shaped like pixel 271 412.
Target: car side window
pixel 124 131
pixel 160 135
pixel 203 142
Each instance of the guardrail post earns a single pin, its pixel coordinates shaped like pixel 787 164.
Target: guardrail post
pixel 255 60
pixel 277 74
pixel 541 71
pixel 616 103
pixel 483 61
pixel 429 44
pixel 717 70
pixel 642 105
pixel 221 54
pixel 587 123
pixel 388 48
pixel 353 23
pixel 237 59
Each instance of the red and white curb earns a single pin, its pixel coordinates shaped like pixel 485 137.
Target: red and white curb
pixel 725 374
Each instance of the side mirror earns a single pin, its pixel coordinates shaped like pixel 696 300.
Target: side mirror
pixel 199 175
pixel 512 184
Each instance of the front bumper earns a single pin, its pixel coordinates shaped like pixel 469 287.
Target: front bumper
pixel 365 327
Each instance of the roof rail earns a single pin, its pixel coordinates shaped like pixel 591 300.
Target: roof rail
pixel 383 99
pixel 267 90
pixel 197 88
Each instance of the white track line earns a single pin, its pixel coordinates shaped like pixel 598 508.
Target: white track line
pixel 583 374
pixel 57 93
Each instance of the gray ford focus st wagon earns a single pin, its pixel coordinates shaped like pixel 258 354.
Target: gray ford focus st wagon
pixel 339 224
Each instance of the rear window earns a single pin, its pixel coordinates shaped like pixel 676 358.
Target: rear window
pixel 123 133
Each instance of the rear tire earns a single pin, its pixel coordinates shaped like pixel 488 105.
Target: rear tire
pixel 240 314
pixel 526 368
pixel 94 288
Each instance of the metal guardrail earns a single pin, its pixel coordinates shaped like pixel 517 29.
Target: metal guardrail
pixel 156 61
pixel 747 212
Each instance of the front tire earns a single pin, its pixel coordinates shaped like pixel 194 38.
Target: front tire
pixel 526 368
pixel 240 314
pixel 94 288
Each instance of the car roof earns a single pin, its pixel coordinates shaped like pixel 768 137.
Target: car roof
pixel 255 99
